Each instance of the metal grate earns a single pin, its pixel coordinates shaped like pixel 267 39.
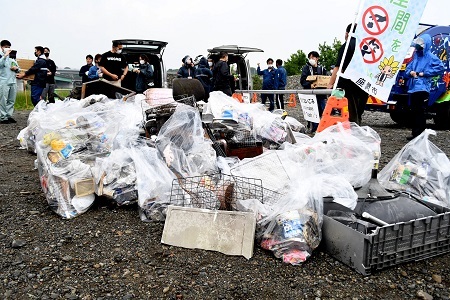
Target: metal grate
pixel 215 192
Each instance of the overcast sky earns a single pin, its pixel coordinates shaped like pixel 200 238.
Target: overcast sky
pixel 72 29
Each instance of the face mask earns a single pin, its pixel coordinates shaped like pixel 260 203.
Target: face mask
pixel 312 61
pixel 119 51
pixel 210 63
pixel 188 61
pixel 47 54
pixel 142 61
pixel 6 50
pixel 270 66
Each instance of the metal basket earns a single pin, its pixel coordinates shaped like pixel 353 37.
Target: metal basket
pixel 215 192
pixel 188 100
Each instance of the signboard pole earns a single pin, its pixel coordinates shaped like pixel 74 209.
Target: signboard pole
pixel 350 36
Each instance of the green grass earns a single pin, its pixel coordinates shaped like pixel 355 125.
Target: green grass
pixel 23 99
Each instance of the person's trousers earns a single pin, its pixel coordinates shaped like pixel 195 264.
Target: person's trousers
pixel 36 93
pixel 321 103
pixel 279 101
pixel 418 104
pixel 50 92
pixel 7 99
pixel 264 99
pixel 357 99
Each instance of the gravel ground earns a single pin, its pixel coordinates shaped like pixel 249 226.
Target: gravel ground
pixel 109 253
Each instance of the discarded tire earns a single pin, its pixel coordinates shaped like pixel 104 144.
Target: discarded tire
pixel 184 87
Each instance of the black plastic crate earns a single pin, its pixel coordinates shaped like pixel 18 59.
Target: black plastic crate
pixel 389 245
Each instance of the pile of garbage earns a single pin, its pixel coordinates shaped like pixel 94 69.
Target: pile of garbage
pixel 220 155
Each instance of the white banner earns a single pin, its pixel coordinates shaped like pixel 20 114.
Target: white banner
pixel 309 107
pixel 384 32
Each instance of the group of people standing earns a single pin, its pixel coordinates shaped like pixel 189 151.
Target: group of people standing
pixel 112 66
pixel 273 79
pixel 42 86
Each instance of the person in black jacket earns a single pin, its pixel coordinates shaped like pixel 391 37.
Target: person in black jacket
pixel 356 96
pixel 204 75
pixel 85 69
pixel 222 76
pixel 39 70
pixel 50 84
pixel 187 70
pixel 144 74
pixel 313 67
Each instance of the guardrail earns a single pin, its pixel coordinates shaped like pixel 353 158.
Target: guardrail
pixel 312 91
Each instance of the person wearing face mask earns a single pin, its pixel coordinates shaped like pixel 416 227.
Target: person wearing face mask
pixel 187 69
pixel 268 82
pixel 419 73
pixel 221 75
pixel 144 74
pixel 39 70
pixel 50 83
pixel 204 75
pixel 94 71
pixel 313 67
pixel 8 87
pixel 113 65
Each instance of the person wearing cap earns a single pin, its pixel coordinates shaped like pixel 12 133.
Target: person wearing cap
pixel 419 73
pixel 268 82
pixel 357 97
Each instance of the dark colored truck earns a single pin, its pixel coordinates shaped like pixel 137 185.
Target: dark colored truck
pixel 438 108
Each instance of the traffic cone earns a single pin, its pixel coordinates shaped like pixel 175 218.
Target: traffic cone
pixel 292 102
pixel 238 97
pixel 254 98
pixel 335 111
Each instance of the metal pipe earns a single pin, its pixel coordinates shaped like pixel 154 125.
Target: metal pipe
pixel 315 91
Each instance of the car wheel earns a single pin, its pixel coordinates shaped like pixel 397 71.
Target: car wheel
pixel 402 118
pixel 442 117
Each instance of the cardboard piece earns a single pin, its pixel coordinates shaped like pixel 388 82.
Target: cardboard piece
pixel 25 65
pixel 318 81
pixel 228 232
pixel 84 187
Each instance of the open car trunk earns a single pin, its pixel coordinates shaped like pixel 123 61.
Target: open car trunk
pixel 132 49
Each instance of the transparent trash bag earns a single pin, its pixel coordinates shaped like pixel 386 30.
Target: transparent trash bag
pixel 421 169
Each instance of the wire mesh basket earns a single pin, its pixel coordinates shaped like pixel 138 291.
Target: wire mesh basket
pixel 242 139
pixel 215 192
pixel 188 100
pixel 165 109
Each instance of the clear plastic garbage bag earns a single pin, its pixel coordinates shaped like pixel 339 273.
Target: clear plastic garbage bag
pixel 421 169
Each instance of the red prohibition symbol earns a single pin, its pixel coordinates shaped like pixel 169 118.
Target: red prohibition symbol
pixel 375 20
pixel 371 49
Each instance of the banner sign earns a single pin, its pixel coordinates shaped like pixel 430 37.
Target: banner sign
pixel 309 107
pixel 384 32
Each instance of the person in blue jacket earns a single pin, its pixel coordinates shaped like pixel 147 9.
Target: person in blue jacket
pixel 204 74
pixel 39 69
pixel 419 73
pixel 95 72
pixel 144 74
pixel 268 82
pixel 280 83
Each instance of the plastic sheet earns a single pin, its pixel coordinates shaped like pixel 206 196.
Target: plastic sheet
pixel 182 144
pixel 421 169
